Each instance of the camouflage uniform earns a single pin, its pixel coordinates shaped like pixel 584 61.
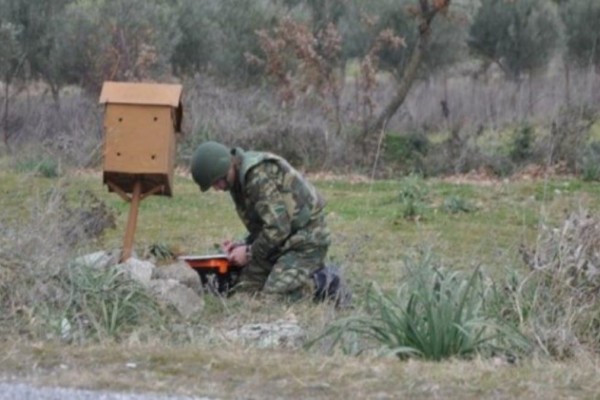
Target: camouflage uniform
pixel 283 213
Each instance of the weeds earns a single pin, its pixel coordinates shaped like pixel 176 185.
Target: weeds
pixel 45 167
pixel 40 291
pixel 413 195
pixel 521 148
pixel 406 153
pixel 104 302
pixel 435 314
pixel 590 168
pixel 456 204
pixel 563 287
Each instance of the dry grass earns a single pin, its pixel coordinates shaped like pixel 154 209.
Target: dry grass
pixel 370 238
pixel 235 372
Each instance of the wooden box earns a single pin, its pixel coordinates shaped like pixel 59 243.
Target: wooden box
pixel 140 122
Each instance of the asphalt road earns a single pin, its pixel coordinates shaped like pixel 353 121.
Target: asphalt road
pixel 23 391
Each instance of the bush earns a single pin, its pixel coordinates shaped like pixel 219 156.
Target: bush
pixel 405 153
pixel 103 302
pixel 435 314
pixel 521 148
pixel 413 196
pixel 457 204
pixel 590 168
pixel 45 167
pixel 562 292
pixel 39 288
pixel 303 146
pixel 569 135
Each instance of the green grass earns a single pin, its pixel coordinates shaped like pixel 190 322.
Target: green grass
pixel 366 219
pixel 371 240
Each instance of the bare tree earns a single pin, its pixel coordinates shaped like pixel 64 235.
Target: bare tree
pixel 425 13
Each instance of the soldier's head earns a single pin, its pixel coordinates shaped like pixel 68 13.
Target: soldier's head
pixel 212 166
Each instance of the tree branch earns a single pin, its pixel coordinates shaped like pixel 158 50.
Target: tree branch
pixel 410 72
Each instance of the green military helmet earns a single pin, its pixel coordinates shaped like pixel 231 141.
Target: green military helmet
pixel 210 163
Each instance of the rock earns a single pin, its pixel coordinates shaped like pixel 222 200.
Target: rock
pixel 180 272
pixel 185 300
pixel 281 333
pixel 99 259
pixel 177 284
pixel 139 270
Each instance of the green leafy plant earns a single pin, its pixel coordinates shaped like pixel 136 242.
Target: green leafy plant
pixel 590 169
pixel 457 204
pixel 44 167
pixel 435 314
pixel 162 252
pixel 407 152
pixel 521 148
pixel 105 302
pixel 413 196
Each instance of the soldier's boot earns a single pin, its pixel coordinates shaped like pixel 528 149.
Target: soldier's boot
pixel 329 285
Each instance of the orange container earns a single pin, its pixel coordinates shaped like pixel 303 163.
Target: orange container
pixel 218 263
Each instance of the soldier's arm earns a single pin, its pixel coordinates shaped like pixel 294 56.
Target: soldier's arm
pixel 270 208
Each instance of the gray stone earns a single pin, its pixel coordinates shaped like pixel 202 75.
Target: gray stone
pixel 186 301
pixel 280 333
pixel 99 259
pixel 139 270
pixel 180 272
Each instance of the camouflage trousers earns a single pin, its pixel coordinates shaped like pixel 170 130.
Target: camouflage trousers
pixel 290 271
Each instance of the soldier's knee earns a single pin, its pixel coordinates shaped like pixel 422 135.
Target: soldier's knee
pixel 286 281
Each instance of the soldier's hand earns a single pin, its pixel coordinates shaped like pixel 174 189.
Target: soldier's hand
pixel 238 256
pixel 227 246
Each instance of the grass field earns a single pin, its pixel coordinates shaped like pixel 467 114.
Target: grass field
pixel 464 223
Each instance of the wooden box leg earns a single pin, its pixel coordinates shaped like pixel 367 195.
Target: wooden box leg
pixel 132 220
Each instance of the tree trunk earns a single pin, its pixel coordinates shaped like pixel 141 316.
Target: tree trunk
pixel 373 132
pixel 567 84
pixel 403 88
pixel 5 134
pixel 530 104
pixel 55 91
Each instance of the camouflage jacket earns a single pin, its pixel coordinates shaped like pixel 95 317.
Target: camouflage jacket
pixel 274 202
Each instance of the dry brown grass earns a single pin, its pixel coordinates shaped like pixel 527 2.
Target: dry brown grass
pixel 237 372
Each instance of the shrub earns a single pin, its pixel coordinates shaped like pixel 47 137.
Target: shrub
pixel 435 314
pixel 569 134
pixel 45 167
pixel 405 153
pixel 590 168
pixel 457 204
pixel 521 148
pixel 103 302
pixel 562 292
pixel 412 196
pixel 39 290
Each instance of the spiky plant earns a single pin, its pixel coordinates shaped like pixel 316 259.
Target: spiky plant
pixel 434 314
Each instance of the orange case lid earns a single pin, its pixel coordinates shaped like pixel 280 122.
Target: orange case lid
pixel 219 262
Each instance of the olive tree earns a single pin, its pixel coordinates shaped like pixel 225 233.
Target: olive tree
pixel 11 63
pixel 115 40
pixel 36 22
pixel 405 55
pixel 520 37
pixel 580 18
pixel 197 44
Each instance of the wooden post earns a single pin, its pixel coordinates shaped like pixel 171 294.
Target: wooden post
pixel 132 220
